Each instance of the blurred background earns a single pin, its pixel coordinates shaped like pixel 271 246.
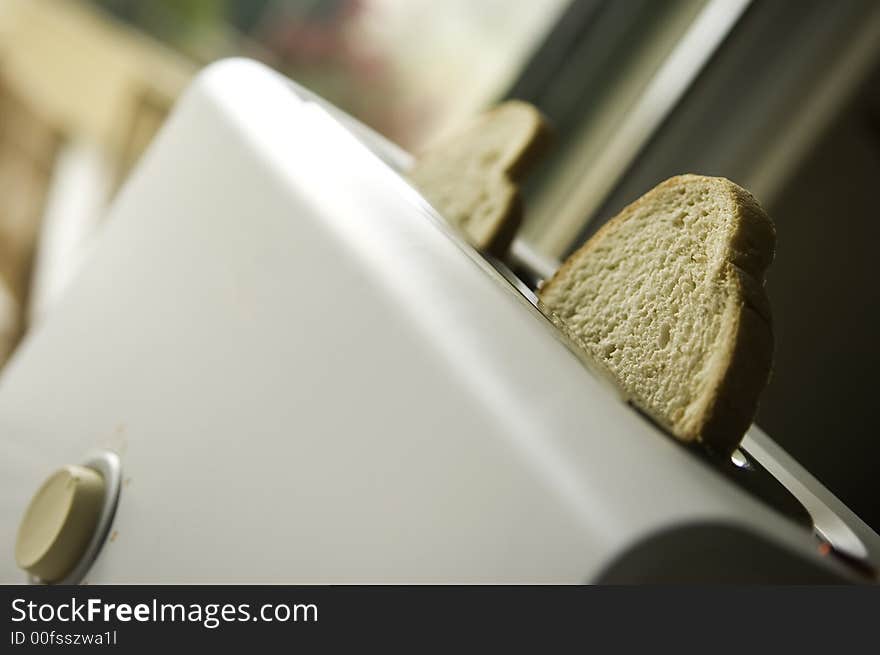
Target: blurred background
pixel 782 97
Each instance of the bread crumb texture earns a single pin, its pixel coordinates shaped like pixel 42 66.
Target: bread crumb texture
pixel 669 295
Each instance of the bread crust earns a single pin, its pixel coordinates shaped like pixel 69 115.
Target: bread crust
pixel 731 409
pixel 536 145
pixel 506 229
pixel 744 366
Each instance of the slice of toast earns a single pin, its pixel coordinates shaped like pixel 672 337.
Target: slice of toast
pixel 669 295
pixel 471 178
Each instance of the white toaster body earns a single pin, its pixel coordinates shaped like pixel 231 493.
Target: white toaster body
pixel 309 378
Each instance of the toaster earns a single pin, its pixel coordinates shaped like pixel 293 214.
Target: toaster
pixel 285 367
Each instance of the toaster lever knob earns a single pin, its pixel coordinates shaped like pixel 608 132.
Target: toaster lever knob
pixel 60 522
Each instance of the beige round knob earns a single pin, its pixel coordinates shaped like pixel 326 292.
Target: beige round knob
pixel 60 522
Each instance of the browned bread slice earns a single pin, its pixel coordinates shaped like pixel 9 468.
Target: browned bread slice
pixel 471 178
pixel 669 295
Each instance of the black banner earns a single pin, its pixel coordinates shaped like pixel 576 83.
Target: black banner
pixel 148 618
